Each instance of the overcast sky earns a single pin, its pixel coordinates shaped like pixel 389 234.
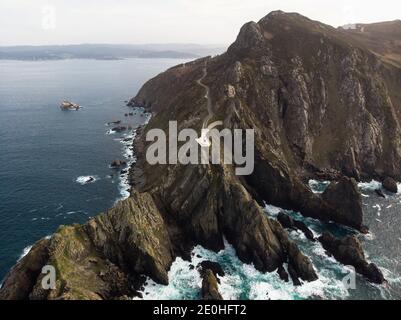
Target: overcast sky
pixel 165 21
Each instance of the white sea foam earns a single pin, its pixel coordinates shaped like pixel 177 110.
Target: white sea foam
pixel 86 179
pixel 128 154
pixel 272 210
pixel 25 252
pixel 184 282
pixel 27 249
pixel 243 281
pixel 110 131
pixel 370 186
pixel 369 236
pixel 379 209
pixel 130 158
pixel 318 186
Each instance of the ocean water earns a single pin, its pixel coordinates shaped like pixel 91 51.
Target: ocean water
pixel 47 155
pixel 242 281
pixel 54 169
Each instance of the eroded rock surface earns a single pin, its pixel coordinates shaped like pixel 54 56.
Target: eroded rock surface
pixel 321 105
pixel 210 287
pixel 349 251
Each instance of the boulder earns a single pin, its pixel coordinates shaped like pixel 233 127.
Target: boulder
pixel 349 251
pixel 390 185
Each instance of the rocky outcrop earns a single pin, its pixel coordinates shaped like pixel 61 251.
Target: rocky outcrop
pixel 282 273
pixel 19 283
pixel 209 272
pixel 390 185
pixel 103 259
pixel 210 287
pixel 320 103
pixel 213 266
pixel 345 201
pixel 289 223
pixel 119 129
pixel 349 251
pixel 380 193
pixel 118 163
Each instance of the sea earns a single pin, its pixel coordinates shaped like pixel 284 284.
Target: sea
pixel 55 170
pixel 54 164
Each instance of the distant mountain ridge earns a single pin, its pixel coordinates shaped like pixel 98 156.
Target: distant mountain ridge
pixel 107 51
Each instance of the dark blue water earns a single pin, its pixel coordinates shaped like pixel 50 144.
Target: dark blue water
pixel 43 150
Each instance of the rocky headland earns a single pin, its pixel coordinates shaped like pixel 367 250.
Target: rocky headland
pixel 323 104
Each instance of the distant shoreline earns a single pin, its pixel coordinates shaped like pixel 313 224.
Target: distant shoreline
pixel 96 59
pixel 107 52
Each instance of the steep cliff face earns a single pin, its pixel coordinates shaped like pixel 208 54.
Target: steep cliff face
pixel 321 103
pixel 103 259
pixel 303 84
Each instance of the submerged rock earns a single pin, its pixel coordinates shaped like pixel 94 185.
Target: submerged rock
pixel 380 193
pixel 119 129
pixel 349 251
pixel 118 163
pixel 210 287
pixel 289 223
pixel 114 122
pixel 282 273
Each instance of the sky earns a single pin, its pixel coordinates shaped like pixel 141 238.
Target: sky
pixel 40 22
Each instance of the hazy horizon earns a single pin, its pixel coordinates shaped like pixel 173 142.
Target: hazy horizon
pixel 207 22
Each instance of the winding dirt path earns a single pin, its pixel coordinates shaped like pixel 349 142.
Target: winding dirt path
pixel 208 98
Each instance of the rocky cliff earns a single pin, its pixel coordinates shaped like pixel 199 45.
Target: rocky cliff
pixel 322 103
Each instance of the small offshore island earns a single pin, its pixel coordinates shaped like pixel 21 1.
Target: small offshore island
pixel 329 114
pixel 67 105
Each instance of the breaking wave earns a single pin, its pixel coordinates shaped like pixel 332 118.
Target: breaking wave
pixel 86 179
